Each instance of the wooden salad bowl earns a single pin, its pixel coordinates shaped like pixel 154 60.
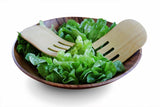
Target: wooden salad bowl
pixel 31 71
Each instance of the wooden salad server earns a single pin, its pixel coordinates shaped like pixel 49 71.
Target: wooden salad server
pixel 118 44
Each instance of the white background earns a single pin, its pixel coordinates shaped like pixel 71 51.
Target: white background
pixel 139 88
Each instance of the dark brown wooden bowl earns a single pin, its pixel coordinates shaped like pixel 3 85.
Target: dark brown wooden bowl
pixel 31 71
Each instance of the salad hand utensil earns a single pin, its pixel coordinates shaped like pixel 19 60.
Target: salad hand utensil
pixel 122 41
pixel 45 40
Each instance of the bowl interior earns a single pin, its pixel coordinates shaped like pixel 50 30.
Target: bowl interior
pixel 31 71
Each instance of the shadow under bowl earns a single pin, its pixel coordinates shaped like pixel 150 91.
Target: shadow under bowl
pixel 31 71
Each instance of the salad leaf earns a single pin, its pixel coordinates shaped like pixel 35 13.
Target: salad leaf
pixel 119 66
pixel 52 26
pixel 112 26
pixel 72 23
pixel 72 31
pixel 53 29
pixel 93 30
pixel 34 59
pixel 41 23
pixel 43 69
pixel 86 25
pixel 69 38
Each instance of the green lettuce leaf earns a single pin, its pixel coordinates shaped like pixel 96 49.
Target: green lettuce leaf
pixel 119 66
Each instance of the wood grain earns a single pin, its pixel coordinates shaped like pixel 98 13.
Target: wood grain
pixel 31 71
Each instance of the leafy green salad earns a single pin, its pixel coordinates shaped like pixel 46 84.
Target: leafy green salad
pixel 79 65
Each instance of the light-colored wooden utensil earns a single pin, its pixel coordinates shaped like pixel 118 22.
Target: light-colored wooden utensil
pixel 118 44
pixel 122 41
pixel 45 40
